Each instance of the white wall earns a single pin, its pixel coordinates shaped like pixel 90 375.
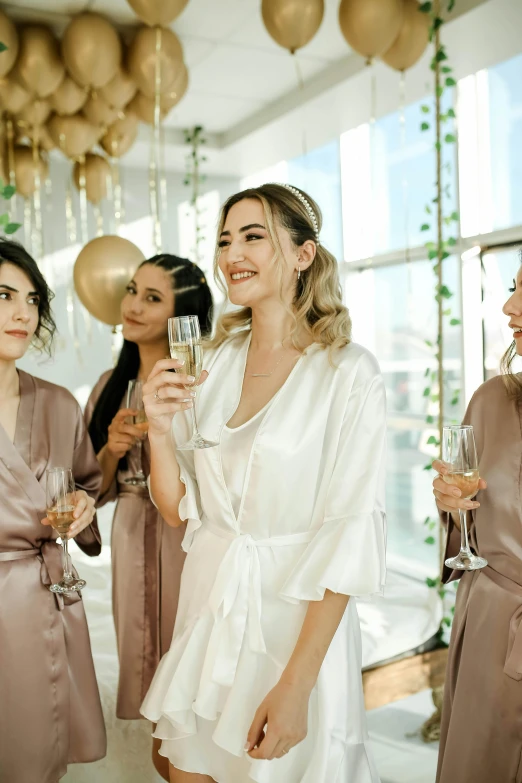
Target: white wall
pixel 83 345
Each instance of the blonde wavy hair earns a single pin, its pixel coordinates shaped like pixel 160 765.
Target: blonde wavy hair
pixel 317 305
pixel 512 380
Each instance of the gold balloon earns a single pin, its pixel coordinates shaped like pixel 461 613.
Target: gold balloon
pixel 13 97
pixel 411 43
pixel 120 136
pixel 39 65
pixel 91 50
pixel 9 37
pixel 74 136
pixel 370 26
pixel 292 23
pixel 144 107
pixel 35 113
pixel 120 90
pixel 154 12
pixel 41 136
pixel 69 98
pixel 97 174
pixel 97 112
pixel 142 60
pixel 101 274
pixel 26 170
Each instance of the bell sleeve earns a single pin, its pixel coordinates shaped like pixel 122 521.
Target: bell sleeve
pixel 189 509
pixel 347 554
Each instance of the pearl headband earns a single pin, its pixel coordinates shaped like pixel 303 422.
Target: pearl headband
pixel 306 204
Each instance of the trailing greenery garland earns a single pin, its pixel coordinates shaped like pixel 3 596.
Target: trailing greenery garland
pixel 195 138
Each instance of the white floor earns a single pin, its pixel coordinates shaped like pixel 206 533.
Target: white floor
pixel 401 754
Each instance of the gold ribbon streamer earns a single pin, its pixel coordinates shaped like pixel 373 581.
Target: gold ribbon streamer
pixel 13 204
pixel 300 84
pixel 154 149
pixel 83 201
pixel 72 236
pixel 27 226
pixel 404 178
pixel 38 247
pixel 98 217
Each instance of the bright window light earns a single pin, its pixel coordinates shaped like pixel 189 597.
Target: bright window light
pixel 356 193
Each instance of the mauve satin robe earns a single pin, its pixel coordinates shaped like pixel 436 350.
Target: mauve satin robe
pixel 50 711
pixel 147 561
pixel 481 740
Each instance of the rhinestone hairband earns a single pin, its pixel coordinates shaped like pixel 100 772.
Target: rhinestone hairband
pixel 306 204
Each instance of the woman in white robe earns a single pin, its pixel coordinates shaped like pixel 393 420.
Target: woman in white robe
pixel 284 519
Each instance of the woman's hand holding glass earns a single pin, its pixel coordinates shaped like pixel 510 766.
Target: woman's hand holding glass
pixel 449 498
pixel 164 394
pixel 82 516
pixel 122 436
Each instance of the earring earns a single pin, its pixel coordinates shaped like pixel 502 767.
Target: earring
pixel 298 272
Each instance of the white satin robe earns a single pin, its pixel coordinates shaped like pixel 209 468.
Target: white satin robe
pixel 311 518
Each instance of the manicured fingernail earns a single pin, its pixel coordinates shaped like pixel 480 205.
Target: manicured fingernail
pixel 192 394
pixel 247 745
pixel 190 404
pixel 191 379
pixel 456 492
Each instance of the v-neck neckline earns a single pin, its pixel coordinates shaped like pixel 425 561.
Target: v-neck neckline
pixel 269 407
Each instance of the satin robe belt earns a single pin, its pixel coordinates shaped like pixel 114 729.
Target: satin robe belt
pixel 52 567
pixel 235 598
pixel 513 665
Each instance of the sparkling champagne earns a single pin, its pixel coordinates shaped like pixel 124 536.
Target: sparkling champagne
pixel 465 480
pixel 191 354
pixel 140 421
pixel 61 518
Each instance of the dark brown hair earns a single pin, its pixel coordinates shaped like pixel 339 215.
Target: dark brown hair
pixel 512 380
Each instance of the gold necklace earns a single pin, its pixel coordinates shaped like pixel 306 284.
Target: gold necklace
pixel 267 374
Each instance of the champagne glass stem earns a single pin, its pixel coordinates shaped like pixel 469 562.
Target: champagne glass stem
pixel 67 574
pixel 465 551
pixel 195 430
pixel 140 458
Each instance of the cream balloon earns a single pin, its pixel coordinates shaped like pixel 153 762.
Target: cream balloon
pixel 13 97
pixel 26 168
pixel 413 39
pixel 101 274
pixel 292 23
pixel 69 98
pixel 370 26
pixel 121 135
pixel 97 111
pixel 39 65
pixel 91 50
pixel 119 91
pixel 142 59
pixel 9 37
pixel 74 136
pixel 97 176
pixel 157 12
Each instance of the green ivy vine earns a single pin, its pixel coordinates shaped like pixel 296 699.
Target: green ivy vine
pixel 194 178
pixel 438 251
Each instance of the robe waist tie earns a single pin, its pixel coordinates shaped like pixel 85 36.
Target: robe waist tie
pixel 52 567
pixel 235 598
pixel 513 665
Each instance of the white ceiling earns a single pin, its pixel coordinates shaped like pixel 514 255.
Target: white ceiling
pixel 235 68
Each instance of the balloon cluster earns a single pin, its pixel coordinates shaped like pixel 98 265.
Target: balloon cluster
pixel 397 31
pixel 88 89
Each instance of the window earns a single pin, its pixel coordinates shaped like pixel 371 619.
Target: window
pixel 388 170
pixel 319 174
pixel 394 313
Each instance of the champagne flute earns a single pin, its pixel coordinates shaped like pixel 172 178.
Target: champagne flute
pixel 185 346
pixel 135 401
pixel 460 455
pixel 61 502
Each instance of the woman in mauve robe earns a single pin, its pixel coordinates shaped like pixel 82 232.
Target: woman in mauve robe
pixel 481 733
pixel 147 558
pixel 50 711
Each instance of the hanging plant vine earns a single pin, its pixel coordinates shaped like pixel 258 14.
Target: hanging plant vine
pixel 195 139
pixel 438 251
